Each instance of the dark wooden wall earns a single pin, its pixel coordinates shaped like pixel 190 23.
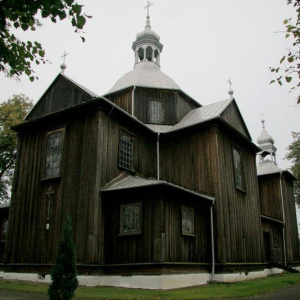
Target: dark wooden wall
pixel 4 213
pixel 90 160
pixel 202 160
pixel 270 196
pixel 271 206
pixel 175 104
pixel 161 239
pixel 62 94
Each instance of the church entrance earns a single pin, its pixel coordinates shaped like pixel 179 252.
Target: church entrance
pixel 267 243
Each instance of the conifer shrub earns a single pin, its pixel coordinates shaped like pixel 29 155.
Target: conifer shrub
pixel 64 272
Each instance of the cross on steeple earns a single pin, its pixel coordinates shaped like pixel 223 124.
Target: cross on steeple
pixel 230 83
pixel 148 6
pixel 63 65
pixel 64 56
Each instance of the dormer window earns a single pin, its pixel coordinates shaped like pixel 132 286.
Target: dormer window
pixel 156 112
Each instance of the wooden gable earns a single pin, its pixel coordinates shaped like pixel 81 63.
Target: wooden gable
pixel 233 117
pixel 62 93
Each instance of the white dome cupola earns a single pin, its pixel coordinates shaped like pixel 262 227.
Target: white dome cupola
pixel 147 46
pixel 266 144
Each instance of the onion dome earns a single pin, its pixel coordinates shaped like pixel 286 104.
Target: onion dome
pixel 264 137
pixel 266 144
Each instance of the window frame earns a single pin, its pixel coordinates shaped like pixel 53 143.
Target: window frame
pixel 121 163
pixel 238 170
pixel 184 232
pixel 161 112
pixel 4 229
pixel 138 231
pixel 48 134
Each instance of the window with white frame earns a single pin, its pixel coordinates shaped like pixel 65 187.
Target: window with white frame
pixel 155 111
pixel 126 151
pixel 130 218
pixel 54 153
pixel 187 220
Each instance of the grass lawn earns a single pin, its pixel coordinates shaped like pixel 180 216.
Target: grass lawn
pixel 211 291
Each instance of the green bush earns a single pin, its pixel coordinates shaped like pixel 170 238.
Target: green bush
pixel 64 272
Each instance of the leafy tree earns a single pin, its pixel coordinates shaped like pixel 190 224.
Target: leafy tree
pixel 289 72
pixel 16 56
pixel 12 112
pixel 294 156
pixel 64 272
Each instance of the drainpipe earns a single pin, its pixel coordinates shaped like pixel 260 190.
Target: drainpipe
pixel 132 101
pixel 283 218
pixel 157 153
pixel 213 263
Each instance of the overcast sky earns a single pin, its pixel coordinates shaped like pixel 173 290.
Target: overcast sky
pixel 205 43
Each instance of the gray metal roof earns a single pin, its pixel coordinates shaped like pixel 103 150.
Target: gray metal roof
pixel 202 114
pixel 145 74
pixel 124 182
pixel 268 167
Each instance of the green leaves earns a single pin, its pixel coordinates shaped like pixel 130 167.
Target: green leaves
pixel 15 55
pixel 290 67
pixel 294 156
pixel 12 112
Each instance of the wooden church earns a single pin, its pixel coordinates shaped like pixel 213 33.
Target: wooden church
pixel 158 186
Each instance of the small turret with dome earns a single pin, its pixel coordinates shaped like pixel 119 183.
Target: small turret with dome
pixel 146 73
pixel 266 144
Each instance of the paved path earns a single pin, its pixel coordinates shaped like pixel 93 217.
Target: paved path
pixel 290 293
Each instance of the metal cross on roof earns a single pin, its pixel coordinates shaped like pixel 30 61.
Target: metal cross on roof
pixel 230 83
pixel 147 6
pixel 64 56
pixel 262 119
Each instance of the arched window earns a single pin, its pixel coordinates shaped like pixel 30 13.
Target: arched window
pixel 156 56
pixel 149 53
pixel 141 54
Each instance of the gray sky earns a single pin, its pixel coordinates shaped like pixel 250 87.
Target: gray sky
pixel 205 43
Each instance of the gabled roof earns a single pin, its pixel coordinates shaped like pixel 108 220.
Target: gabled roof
pixel 202 114
pixel 49 104
pixel 126 181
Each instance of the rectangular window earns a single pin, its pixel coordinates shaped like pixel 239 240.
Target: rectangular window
pixel 54 153
pixel 187 220
pixel 155 112
pixel 130 218
pixel 238 172
pixel 4 229
pixel 125 151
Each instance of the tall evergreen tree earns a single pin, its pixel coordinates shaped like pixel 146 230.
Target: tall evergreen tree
pixel 64 272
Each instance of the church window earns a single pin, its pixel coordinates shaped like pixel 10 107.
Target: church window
pixel 238 172
pixel 155 112
pixel 149 53
pixel 141 54
pixel 130 218
pixel 4 229
pixel 54 153
pixel 187 220
pixel 126 151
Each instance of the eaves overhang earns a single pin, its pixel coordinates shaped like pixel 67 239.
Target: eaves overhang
pixel 129 182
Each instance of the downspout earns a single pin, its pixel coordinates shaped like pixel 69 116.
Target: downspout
pixel 213 263
pixel 132 101
pixel 283 218
pixel 157 155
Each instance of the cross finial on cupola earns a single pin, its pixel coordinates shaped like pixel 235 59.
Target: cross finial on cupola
pixel 63 66
pixel 148 16
pixel 230 92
